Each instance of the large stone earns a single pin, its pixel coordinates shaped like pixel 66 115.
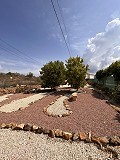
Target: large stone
pixel 74 96
pixel 39 130
pixel 67 135
pixel 83 136
pixel 27 127
pixel 51 134
pixel 46 131
pixel 34 128
pixel 19 127
pixel 104 140
pixel 75 136
pixel 58 133
pixel 115 141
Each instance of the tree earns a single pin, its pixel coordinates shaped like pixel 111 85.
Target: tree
pixel 53 74
pixel 114 69
pixel 76 72
pixel 29 76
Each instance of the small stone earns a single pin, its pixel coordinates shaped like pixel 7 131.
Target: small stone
pixel 21 108
pixel 34 128
pixel 44 109
pixel 2 125
pixel 51 134
pixel 64 115
pixel 27 127
pixel 58 133
pixel 51 103
pixel 75 136
pixel 70 112
pixel 115 141
pixel 19 127
pixel 83 136
pixel 39 130
pixel 88 139
pixel 46 131
pixel 67 135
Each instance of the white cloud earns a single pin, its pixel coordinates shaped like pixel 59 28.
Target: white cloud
pixel 104 48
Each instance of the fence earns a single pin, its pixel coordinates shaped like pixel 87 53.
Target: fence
pixel 107 82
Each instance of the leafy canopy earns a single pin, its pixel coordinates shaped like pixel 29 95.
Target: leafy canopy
pixel 76 72
pixel 53 74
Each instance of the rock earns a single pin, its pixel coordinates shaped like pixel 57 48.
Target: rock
pixel 39 130
pixel 51 103
pixel 58 133
pixel 34 128
pixel 67 135
pixel 13 125
pixel 115 141
pixel 70 112
pixel 83 136
pixel 2 125
pixel 74 96
pixel 46 131
pixel 44 109
pixel 27 127
pixel 88 139
pixel 19 127
pixel 64 115
pixel 75 136
pixel 21 108
pixel 103 140
pixel 51 134
pixel 8 126
pixel 95 139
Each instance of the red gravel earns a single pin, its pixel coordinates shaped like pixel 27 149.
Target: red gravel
pixel 89 114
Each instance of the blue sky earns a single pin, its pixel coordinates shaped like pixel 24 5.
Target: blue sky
pixel 31 26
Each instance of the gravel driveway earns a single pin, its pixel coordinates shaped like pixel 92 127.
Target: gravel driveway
pixel 20 145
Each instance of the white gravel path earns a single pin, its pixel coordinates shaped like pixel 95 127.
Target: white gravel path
pixel 20 145
pixel 24 102
pixel 4 97
pixel 58 108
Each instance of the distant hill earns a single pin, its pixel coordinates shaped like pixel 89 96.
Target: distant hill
pixel 12 79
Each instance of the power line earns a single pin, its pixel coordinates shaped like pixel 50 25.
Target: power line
pixel 60 27
pixel 19 52
pixel 64 24
pixel 11 52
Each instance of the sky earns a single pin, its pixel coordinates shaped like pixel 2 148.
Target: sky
pixel 30 35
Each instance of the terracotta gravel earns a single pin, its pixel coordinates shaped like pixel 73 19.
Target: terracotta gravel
pixel 90 113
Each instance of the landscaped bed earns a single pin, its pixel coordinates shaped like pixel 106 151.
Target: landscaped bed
pixel 90 113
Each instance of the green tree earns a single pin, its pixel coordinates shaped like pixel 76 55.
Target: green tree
pixel 114 69
pixel 52 74
pixel 76 72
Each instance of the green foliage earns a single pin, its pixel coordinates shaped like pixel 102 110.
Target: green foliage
pixel 29 75
pixel 114 68
pixel 53 74
pixel 76 72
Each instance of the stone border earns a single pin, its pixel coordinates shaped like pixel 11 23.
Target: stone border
pixel 103 142
pixel 61 115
